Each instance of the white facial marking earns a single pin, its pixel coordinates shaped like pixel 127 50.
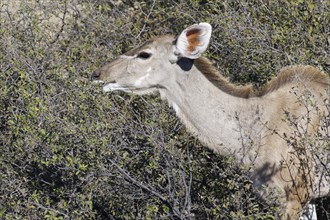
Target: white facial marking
pixel 98 81
pixel 176 107
pixel 112 87
pixel 127 57
pixel 139 81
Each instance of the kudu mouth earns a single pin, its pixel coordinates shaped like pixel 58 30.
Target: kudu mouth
pixel 107 86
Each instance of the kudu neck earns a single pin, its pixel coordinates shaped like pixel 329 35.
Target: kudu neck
pixel 206 110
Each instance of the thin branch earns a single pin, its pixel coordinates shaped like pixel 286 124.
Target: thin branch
pixel 146 20
pixel 148 189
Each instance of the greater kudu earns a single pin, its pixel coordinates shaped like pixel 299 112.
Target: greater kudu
pixel 254 126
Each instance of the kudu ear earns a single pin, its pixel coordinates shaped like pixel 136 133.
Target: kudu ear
pixel 193 41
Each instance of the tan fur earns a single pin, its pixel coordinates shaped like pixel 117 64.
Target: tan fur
pixel 296 73
pixel 285 76
pixel 211 73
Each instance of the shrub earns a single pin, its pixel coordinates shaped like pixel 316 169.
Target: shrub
pixel 70 152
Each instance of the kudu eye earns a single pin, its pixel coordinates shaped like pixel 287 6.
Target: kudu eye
pixel 144 55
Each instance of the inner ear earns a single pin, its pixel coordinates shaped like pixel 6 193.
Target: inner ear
pixel 193 39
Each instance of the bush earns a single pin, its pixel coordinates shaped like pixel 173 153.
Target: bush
pixel 69 151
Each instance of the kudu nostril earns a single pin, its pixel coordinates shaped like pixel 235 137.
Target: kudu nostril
pixel 95 75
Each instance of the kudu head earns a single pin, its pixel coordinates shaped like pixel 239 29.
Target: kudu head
pixel 155 63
